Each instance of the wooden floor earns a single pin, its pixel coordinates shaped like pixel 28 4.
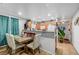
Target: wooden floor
pixel 65 49
pixel 62 49
pixel 3 51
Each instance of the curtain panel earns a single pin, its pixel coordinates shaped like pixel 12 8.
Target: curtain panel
pixel 8 25
pixel 4 22
pixel 14 26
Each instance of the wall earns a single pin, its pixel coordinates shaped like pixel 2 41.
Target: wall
pixel 21 25
pixel 68 29
pixel 75 33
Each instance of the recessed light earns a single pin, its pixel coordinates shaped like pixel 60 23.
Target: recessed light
pixel 49 14
pixel 20 13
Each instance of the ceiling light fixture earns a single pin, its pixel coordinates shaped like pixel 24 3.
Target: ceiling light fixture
pixel 49 14
pixel 19 13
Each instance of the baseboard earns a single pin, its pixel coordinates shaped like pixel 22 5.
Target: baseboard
pixel 46 51
pixel 74 48
pixel 3 46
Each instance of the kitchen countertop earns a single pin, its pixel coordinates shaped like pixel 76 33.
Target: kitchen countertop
pixel 46 34
pixel 39 31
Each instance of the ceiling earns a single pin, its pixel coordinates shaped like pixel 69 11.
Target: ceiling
pixel 32 10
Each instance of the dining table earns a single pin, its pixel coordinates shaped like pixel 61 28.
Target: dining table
pixel 30 34
pixel 24 40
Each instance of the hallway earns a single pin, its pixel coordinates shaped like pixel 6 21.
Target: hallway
pixel 65 49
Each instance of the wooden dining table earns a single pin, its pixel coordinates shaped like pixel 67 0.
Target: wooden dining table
pixel 30 34
pixel 25 40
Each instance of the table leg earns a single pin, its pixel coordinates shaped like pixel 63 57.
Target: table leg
pixel 25 49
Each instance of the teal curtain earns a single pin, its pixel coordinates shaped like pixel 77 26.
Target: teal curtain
pixel 4 22
pixel 14 26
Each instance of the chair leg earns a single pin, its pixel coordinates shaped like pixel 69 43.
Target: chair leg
pixel 10 51
pixel 39 49
pixel 33 52
pixel 7 48
pixel 25 49
pixel 13 52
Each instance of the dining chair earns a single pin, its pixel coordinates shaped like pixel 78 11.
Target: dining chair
pixel 12 44
pixel 35 44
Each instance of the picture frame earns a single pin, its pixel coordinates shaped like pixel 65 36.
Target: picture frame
pixel 77 21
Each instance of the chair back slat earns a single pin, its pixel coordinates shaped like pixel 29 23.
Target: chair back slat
pixel 36 42
pixel 11 41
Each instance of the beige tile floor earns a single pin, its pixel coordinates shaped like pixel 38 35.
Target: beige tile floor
pixel 66 49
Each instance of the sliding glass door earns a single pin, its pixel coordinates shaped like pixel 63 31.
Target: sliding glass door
pixel 4 22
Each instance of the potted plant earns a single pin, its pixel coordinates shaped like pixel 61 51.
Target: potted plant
pixel 61 35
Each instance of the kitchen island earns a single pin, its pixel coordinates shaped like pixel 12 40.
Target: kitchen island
pixel 47 41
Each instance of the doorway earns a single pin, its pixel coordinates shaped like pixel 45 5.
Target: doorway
pixel 64 42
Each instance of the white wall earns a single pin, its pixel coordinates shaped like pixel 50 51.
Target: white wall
pixel 75 33
pixel 21 25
